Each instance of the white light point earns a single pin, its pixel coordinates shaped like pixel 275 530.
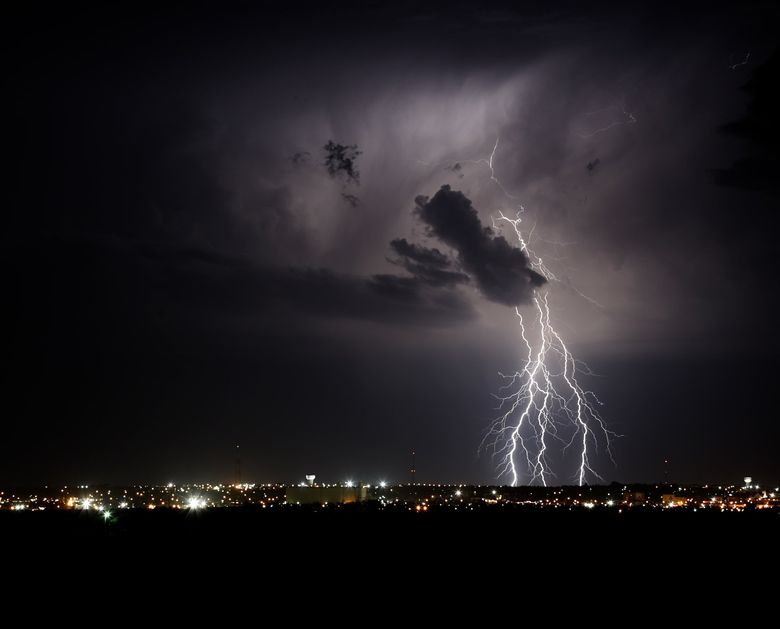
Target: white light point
pixel 195 503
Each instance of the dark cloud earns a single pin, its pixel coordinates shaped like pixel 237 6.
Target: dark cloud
pixel 301 157
pixel 384 298
pixel 341 159
pixel 760 169
pixel 420 254
pixel 430 266
pixel 207 281
pixel 351 199
pixel 501 271
pixel 456 169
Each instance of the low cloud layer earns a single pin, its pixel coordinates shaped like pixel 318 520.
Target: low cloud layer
pixel 428 265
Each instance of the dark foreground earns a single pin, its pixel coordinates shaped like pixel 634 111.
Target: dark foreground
pixel 362 546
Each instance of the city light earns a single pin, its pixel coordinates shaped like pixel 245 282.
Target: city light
pixel 384 495
pixel 195 503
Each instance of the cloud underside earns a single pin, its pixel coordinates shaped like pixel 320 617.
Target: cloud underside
pixel 213 284
pixel 429 294
pixel 499 270
pixel 207 284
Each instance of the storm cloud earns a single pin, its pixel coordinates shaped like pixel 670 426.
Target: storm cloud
pixel 500 271
pixel 341 159
pixel 202 284
pixel 429 265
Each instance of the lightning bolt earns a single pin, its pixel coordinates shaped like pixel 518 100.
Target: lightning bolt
pixel 543 402
pixel 628 118
pixel 734 66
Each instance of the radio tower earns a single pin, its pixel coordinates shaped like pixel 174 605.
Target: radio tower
pixel 238 465
pixel 413 470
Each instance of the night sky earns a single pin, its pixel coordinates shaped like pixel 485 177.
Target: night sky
pixel 269 226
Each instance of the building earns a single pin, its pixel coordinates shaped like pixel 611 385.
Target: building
pixel 323 494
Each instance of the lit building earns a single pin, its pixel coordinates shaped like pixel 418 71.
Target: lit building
pixel 321 494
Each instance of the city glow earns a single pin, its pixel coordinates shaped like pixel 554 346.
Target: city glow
pixel 734 498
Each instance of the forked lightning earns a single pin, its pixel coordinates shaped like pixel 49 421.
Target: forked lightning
pixel 543 402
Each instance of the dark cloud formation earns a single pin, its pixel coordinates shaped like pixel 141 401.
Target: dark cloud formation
pixel 500 271
pixel 760 169
pixel 384 298
pixel 301 157
pixel 341 159
pixel 194 280
pixel 419 254
pixel 456 169
pixel 351 199
pixel 428 265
